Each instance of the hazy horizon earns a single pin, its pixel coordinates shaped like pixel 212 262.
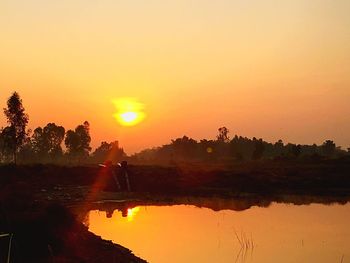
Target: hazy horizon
pixel 273 70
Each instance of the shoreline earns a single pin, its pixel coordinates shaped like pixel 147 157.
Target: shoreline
pixel 27 193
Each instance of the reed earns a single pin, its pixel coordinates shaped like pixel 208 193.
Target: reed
pixel 245 241
pixel 246 244
pixel 10 235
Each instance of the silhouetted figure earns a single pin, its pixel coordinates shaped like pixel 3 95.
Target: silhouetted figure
pixel 118 174
pixel 124 175
pixel 111 171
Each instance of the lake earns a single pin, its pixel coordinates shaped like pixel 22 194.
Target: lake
pixel 187 233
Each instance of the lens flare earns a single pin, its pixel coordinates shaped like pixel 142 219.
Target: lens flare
pixel 129 111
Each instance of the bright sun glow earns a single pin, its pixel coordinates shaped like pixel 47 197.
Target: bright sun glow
pixel 129 111
pixel 129 116
pixel 132 212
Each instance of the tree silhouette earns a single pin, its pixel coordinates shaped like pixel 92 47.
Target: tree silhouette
pixel 279 147
pixel 6 144
pixel 223 135
pixel 26 153
pixel 296 150
pixel 328 148
pixel 17 120
pixel 108 152
pixel 258 150
pixel 238 149
pixel 47 141
pixel 78 141
pixel 183 148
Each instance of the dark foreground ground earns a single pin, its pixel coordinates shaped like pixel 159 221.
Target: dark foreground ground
pixel 42 205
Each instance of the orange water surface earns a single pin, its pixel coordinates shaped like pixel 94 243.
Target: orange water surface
pixel 186 233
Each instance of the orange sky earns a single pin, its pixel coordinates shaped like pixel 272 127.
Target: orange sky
pixel 271 69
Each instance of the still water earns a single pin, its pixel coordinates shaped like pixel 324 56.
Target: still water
pixel 187 233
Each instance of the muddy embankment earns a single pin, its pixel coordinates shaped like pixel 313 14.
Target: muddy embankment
pixel 41 227
pixel 330 177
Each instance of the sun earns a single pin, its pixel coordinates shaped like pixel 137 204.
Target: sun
pixel 129 116
pixel 129 111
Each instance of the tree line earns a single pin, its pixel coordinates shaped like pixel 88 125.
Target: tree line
pixel 235 149
pixel 54 144
pixel 18 144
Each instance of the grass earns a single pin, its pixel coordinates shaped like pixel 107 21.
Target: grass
pixel 10 235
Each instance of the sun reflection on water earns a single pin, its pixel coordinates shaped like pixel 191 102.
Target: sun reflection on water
pixel 132 212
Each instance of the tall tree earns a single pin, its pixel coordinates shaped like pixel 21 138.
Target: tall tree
pixel 78 141
pixel 17 120
pixel 47 141
pixel 223 135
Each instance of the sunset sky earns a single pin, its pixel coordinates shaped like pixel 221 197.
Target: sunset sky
pixel 270 69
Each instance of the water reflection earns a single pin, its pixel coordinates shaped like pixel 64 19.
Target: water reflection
pixel 131 212
pixel 213 203
pixel 187 233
